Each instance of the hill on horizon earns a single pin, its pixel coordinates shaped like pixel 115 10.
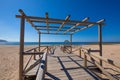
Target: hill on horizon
pixel 1 40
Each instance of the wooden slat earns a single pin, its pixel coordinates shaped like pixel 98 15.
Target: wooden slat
pixel 67 18
pixel 77 24
pixel 32 53
pixel 42 68
pixel 99 22
pixel 32 66
pixel 52 27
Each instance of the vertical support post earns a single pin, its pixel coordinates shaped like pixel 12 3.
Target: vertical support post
pixel 21 57
pixel 39 39
pixel 71 43
pixel 100 40
pixel 85 60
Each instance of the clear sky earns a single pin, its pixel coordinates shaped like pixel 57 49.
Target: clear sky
pixel 78 9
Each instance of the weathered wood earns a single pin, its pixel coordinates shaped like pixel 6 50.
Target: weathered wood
pixel 32 66
pixel 32 53
pixel 21 59
pixel 85 60
pixel 77 24
pixel 28 62
pixel 100 40
pixel 105 72
pixel 58 20
pixel 115 64
pixel 54 33
pixel 62 30
pixel 54 27
pixel 39 40
pixel 67 18
pixel 47 22
pixel 71 43
pixel 80 52
pixel 30 50
pixel 24 15
pixel 92 24
pixel 42 68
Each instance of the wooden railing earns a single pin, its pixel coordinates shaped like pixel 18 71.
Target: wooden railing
pixel 40 58
pixel 43 68
pixel 87 53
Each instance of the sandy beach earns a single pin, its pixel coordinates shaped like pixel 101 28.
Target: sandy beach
pixel 9 58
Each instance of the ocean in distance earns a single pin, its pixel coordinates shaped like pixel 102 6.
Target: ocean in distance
pixel 56 43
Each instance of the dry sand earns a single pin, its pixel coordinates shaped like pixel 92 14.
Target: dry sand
pixel 9 59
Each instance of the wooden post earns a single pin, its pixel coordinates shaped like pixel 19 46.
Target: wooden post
pixel 22 25
pixel 34 54
pixel 85 60
pixel 39 40
pixel 80 52
pixel 47 49
pixel 71 43
pixel 100 40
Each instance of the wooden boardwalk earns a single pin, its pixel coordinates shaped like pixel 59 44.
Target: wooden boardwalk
pixel 63 66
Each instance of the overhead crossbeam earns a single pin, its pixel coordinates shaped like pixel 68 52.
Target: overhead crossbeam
pixel 52 27
pixel 53 33
pixel 33 18
pixel 27 18
pixel 66 19
pixel 99 22
pixel 77 24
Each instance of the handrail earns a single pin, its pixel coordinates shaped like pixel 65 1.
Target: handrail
pixel 92 56
pixel 42 68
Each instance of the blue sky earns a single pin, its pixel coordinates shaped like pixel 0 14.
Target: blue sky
pixel 78 9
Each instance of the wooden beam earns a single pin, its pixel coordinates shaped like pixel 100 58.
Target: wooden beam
pixel 57 20
pixel 39 39
pixel 71 43
pixel 99 22
pixel 100 40
pixel 77 24
pixel 53 27
pixel 41 29
pixel 21 58
pixel 67 18
pixel 27 18
pixel 31 49
pixel 33 53
pixel 54 33
pixel 47 25
pixel 42 68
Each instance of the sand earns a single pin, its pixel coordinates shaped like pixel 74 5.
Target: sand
pixel 9 58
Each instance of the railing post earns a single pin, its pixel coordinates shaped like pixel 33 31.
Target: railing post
pixel 71 43
pixel 34 54
pixel 47 49
pixel 85 60
pixel 39 40
pixel 80 51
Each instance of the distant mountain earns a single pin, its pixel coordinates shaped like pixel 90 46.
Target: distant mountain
pixel 3 40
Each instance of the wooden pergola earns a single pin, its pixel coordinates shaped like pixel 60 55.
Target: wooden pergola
pixel 47 25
